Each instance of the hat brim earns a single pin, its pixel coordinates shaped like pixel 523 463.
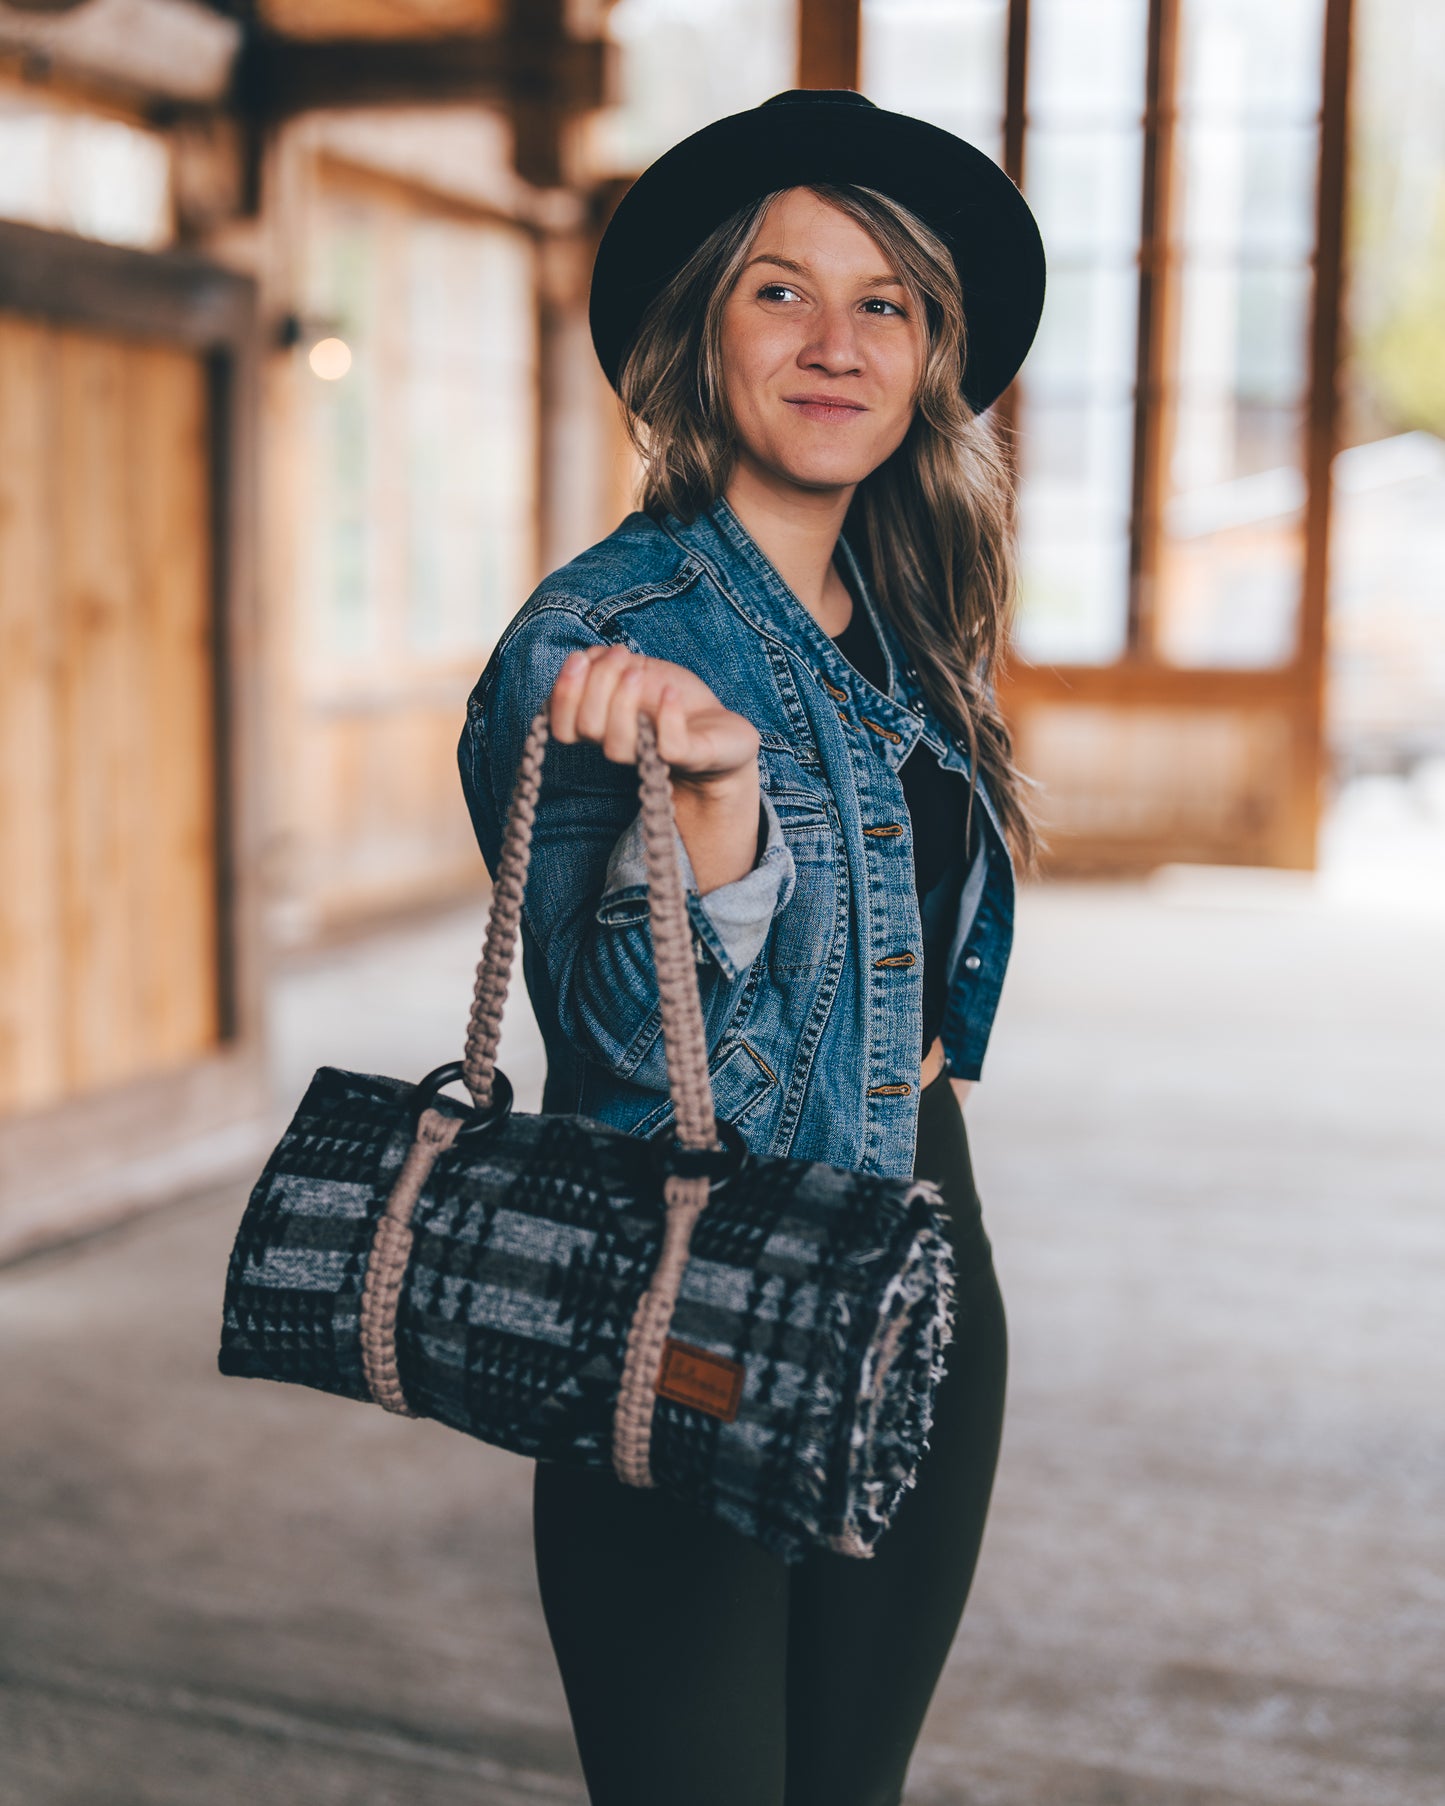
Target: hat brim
pixel 950 184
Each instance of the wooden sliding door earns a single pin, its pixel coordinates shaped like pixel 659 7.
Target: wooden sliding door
pixel 131 1047
pixel 108 912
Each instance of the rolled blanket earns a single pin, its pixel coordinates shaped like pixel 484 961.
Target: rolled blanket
pixel 796 1388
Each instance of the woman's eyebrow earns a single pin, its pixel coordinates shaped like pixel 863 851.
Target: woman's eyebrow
pixel 799 269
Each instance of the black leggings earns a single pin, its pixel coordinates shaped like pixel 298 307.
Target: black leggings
pixel 701 1671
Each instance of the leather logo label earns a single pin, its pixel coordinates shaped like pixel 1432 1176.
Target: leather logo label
pixel 694 1376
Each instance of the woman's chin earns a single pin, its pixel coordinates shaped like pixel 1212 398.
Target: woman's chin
pixel 821 475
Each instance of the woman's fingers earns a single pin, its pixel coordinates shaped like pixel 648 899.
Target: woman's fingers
pixel 567 692
pixel 581 693
pixel 672 735
pixel 619 731
pixel 603 675
pixel 600 691
pixel 646 689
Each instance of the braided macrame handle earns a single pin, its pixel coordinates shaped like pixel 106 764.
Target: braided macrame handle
pixel 684 1039
pixel 685 1042
pixel 683 1034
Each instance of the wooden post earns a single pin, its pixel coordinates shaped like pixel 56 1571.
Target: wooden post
pixel 1323 422
pixel 1150 408
pixel 1015 137
pixel 828 43
pixel 1016 88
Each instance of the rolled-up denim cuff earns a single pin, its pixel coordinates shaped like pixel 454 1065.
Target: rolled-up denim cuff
pixel 731 922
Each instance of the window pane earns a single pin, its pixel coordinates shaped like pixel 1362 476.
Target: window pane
pixel 1084 183
pixel 1074 508
pixel 1220 440
pixel 1083 156
pixel 1230 564
pixel 100 178
pixel 940 60
pixel 1233 534
pixel 1087 60
pixel 1246 191
pixel 471 464
pixel 1243 332
pixel 1233 592
pixel 1072 575
pixel 423 483
pixel 680 66
pixel 342 612
pixel 1086 340
pixel 1257 57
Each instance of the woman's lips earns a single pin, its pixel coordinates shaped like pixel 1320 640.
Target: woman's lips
pixel 825 408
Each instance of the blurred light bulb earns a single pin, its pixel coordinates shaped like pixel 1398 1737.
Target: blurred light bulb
pixel 330 359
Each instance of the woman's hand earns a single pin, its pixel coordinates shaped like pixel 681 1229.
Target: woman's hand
pixel 712 752
pixel 601 690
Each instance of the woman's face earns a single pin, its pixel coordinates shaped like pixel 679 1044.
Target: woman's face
pixel 821 350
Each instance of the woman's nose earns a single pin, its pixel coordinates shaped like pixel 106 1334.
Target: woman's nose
pixel 833 344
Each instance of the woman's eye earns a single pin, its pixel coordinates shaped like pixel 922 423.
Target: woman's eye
pixel 781 288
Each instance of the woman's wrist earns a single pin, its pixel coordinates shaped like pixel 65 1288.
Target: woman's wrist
pixel 721 822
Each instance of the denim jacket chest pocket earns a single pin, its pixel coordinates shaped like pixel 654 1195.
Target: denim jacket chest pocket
pixel 809 929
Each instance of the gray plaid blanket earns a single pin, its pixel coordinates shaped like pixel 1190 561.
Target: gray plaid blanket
pixel 804 1352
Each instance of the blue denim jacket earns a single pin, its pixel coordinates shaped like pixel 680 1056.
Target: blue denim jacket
pixel 811 1001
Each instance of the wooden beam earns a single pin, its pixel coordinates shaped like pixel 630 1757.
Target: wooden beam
pixel 277 78
pixel 244 12
pixel 24 73
pixel 536 32
pixel 168 295
pixel 1139 684
pixel 828 43
pixel 136 49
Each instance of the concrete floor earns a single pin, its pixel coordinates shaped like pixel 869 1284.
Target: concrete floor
pixel 1211 1145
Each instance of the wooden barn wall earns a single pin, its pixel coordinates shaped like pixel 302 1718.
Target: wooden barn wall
pixel 108 927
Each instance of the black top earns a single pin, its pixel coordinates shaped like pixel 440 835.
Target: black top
pixel 937 801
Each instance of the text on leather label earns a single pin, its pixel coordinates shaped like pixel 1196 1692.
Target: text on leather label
pixel 708 1382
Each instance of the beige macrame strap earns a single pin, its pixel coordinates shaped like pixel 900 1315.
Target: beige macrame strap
pixel 684 1040
pixel 386 1265
pixel 684 1037
pixel 637 1394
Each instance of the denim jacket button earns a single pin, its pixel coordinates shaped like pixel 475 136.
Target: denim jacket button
pixel 973 962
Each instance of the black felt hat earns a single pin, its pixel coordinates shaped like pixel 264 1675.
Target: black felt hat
pixel 830 135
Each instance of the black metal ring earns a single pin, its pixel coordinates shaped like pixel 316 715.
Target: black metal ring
pixel 719 1164
pixel 478 1120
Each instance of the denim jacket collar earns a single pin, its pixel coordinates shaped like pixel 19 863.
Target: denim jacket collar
pixel 751 582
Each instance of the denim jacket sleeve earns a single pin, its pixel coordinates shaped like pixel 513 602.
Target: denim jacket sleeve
pixel 586 899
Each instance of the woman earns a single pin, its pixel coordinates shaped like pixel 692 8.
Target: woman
pixel 804 308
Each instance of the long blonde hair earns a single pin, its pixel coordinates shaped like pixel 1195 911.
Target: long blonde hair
pixel 933 524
